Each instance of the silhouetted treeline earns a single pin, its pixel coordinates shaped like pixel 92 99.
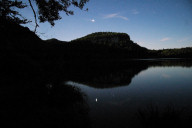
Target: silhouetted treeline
pixel 172 53
pixel 110 45
pixel 106 36
pixel 115 45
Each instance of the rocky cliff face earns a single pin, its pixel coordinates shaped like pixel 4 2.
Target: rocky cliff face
pixel 112 40
pixel 109 37
pixel 117 40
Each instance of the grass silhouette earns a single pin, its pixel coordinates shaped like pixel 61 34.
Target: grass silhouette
pixel 154 116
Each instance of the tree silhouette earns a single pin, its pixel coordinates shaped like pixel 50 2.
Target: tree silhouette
pixel 7 11
pixel 48 10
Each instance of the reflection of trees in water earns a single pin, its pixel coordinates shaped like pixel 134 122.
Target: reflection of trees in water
pixel 176 62
pixel 105 74
pixel 113 79
pixel 120 74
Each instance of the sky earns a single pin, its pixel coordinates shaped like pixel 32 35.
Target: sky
pixel 154 24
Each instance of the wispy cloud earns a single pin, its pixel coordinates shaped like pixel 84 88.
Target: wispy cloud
pixel 134 11
pixel 115 15
pixel 111 16
pixel 165 39
pixel 123 17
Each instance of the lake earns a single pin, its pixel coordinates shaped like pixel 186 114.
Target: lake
pixel 104 94
pixel 115 98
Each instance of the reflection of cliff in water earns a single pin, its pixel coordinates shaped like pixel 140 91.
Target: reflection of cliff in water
pixel 110 79
pixel 121 74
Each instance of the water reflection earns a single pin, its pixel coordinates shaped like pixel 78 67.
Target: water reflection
pixel 122 74
pixel 101 97
pixel 158 83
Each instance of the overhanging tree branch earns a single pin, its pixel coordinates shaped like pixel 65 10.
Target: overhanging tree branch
pixel 36 24
pixel 48 10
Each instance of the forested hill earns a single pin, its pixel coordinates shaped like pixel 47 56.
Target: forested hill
pixel 124 47
pixel 53 40
pixel 171 53
pixel 111 39
pixel 20 42
pixel 122 41
pixel 106 36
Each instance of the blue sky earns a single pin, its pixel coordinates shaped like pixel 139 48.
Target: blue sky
pixel 154 24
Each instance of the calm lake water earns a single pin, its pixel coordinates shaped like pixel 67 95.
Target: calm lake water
pixel 114 104
pixel 107 94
